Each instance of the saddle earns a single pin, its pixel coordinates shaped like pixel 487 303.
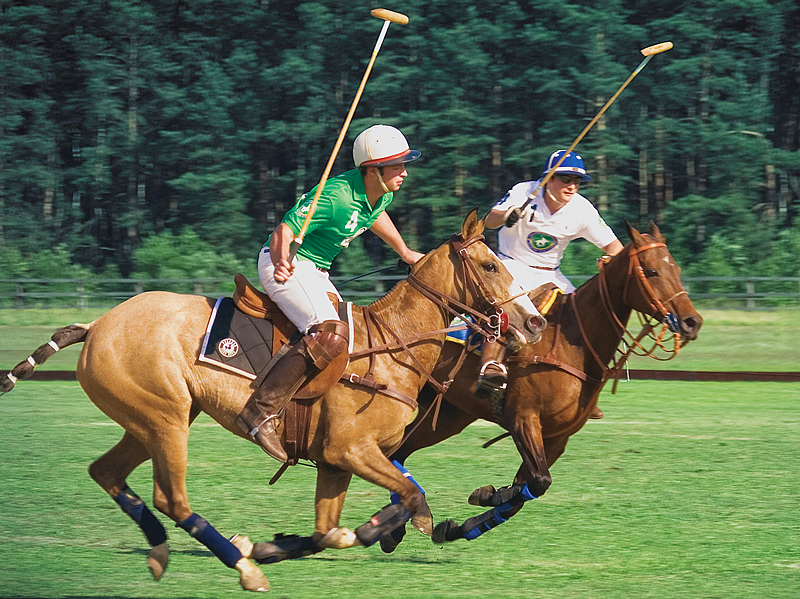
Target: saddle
pixel 257 304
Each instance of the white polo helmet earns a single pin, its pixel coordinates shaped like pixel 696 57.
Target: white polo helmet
pixel 382 145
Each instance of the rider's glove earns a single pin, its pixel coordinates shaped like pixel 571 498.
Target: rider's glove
pixel 512 216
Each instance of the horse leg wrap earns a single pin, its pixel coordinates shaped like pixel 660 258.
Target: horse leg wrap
pixel 284 547
pixel 132 505
pixel 395 497
pixel 199 528
pixel 383 522
pixel 478 525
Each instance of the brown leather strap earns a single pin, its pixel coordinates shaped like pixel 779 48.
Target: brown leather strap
pixel 296 425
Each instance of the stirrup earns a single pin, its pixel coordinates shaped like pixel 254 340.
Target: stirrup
pixel 494 384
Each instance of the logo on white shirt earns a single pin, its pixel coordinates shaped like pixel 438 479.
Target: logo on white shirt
pixel 541 242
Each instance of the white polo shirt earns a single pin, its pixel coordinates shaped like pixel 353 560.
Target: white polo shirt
pixel 540 237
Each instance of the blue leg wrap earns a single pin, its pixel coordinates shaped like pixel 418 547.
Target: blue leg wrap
pixel 132 505
pixel 199 528
pixel 478 525
pixel 394 497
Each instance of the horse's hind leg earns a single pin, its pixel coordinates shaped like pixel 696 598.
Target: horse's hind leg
pixel 110 472
pixel 169 454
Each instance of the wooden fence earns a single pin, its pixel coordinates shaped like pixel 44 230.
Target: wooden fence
pixel 742 292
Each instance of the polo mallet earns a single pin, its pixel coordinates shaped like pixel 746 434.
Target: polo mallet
pixel 388 16
pixel 648 53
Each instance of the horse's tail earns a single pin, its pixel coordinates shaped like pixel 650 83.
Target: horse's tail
pixel 63 337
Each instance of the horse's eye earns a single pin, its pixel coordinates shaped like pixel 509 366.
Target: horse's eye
pixel 490 267
pixel 650 272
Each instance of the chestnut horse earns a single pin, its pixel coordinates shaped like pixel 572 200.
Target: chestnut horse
pixel 553 385
pixel 139 365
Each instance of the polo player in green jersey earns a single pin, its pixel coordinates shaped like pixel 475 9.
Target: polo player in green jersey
pixel 349 204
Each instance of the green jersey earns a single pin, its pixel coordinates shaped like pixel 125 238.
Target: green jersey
pixel 343 213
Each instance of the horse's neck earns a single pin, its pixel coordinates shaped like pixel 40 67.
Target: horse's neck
pixel 603 330
pixel 408 313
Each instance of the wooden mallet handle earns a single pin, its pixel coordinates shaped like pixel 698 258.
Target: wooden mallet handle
pixel 656 49
pixel 389 15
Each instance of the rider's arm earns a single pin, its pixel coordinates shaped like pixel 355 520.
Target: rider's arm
pixel 495 218
pixel 384 228
pixel 279 245
pixel 613 248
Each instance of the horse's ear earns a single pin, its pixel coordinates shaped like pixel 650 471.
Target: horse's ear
pixel 633 234
pixel 472 226
pixel 655 232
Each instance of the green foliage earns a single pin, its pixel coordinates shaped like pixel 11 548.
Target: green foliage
pixel 121 120
pixel 185 255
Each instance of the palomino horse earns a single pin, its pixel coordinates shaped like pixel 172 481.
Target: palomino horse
pixel 139 365
pixel 553 385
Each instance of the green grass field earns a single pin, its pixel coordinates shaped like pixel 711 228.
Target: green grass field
pixel 730 340
pixel 684 490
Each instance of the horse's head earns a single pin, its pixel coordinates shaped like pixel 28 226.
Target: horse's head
pixel 654 284
pixel 485 286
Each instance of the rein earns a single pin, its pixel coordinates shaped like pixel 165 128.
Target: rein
pixel 635 272
pixel 492 327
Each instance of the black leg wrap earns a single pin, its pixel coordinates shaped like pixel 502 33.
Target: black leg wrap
pixel 284 547
pixel 390 542
pixel 381 523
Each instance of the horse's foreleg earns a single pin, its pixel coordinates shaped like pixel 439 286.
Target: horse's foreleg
pixel 373 466
pixel 532 480
pixel 110 472
pixel 472 528
pixel 332 484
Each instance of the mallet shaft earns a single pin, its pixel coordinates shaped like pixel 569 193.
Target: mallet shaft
pixel 387 16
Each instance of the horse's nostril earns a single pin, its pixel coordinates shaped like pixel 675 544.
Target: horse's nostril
pixel 536 324
pixel 691 325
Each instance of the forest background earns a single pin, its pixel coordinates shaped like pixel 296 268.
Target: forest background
pixel 167 138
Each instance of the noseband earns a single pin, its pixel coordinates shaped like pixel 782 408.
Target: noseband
pixel 493 321
pixel 636 272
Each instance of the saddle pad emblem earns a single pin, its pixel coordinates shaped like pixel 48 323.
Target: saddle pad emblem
pixel 228 347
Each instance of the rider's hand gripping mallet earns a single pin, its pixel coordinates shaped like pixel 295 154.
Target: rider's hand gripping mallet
pixel 388 16
pixel 648 53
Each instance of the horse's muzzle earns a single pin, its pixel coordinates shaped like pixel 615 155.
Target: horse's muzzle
pixel 690 326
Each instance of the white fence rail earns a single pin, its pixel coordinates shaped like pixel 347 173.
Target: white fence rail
pixel 747 292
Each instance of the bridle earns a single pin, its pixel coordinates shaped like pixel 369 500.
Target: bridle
pixel 490 324
pixel 493 321
pixel 669 322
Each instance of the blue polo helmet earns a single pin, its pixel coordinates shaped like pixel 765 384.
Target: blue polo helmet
pixel 571 165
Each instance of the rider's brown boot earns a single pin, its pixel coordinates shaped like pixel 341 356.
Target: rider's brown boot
pixel 493 375
pixel 261 417
pixel 596 414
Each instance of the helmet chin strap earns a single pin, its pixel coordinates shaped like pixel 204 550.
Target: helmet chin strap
pixel 553 198
pixel 380 180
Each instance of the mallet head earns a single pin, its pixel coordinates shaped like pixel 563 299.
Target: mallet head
pixel 389 15
pixel 656 49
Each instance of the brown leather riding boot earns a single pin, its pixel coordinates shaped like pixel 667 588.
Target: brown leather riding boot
pixel 260 418
pixel 493 374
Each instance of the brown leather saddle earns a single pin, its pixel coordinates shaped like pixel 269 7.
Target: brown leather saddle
pixel 257 304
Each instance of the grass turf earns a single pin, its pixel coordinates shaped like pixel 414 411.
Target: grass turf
pixel 683 490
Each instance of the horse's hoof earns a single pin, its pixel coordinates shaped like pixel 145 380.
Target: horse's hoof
pixel 157 560
pixel 243 544
pixel 423 523
pixel 339 538
pixel 447 531
pixel 250 577
pixel 423 519
pixel 390 542
pixel 482 496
